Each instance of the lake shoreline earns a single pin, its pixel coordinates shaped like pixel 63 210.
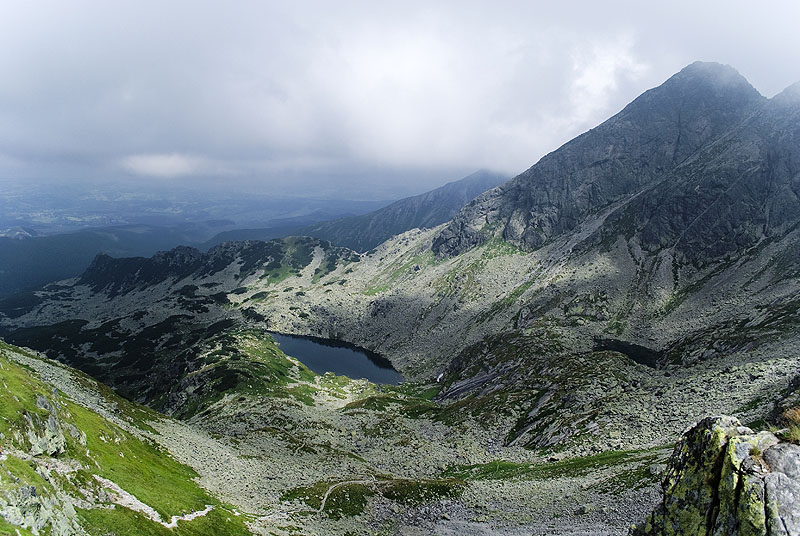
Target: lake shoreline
pixel 331 355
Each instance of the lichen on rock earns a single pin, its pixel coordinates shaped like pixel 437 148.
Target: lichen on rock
pixel 44 433
pixel 723 479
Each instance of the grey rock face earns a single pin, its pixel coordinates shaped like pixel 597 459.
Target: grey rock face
pixel 44 433
pixel 702 164
pixel 784 458
pixel 725 480
pixel 783 505
pixel 25 508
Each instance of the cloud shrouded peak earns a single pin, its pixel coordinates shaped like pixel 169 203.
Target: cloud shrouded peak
pixel 263 90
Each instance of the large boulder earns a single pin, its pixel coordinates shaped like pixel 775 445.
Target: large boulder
pixel 43 431
pixel 723 479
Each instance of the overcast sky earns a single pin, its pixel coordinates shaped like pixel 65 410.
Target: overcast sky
pixel 347 97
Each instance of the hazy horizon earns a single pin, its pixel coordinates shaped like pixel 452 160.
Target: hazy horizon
pixel 355 100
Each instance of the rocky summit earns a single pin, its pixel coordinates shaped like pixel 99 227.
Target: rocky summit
pixel 703 164
pixel 558 337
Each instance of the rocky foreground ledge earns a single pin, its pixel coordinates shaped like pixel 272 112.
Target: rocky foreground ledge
pixel 723 479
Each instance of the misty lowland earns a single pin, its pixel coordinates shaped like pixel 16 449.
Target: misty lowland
pixel 606 343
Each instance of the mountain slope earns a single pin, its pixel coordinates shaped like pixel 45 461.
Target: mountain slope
pixel 643 274
pixel 311 455
pixel 649 142
pixel 85 462
pixel 430 209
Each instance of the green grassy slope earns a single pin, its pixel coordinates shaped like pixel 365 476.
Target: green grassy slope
pixel 55 451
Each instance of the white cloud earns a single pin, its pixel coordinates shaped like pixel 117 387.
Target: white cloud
pixel 168 166
pixel 272 89
pixel 597 73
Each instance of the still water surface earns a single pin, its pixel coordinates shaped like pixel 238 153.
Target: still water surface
pixel 326 355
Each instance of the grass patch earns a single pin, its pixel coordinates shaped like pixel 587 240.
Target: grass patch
pixel 572 467
pixel 8 528
pixel 416 492
pixel 125 522
pixel 349 499
pixel 27 475
pixel 412 407
pixel 345 500
pixel 792 418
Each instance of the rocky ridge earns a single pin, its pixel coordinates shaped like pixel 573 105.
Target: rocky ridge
pixel 362 233
pixel 686 162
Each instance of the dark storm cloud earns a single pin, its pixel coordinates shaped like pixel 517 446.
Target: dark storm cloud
pixel 262 90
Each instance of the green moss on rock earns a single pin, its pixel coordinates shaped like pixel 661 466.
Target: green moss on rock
pixel 718 483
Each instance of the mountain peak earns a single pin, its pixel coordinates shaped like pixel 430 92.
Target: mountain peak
pixel 712 71
pixel 715 84
pixel 645 143
pixel 711 74
pixel 704 81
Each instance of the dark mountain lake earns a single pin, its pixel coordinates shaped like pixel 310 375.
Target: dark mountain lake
pixel 326 355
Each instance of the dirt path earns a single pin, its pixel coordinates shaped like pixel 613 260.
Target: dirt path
pixel 333 487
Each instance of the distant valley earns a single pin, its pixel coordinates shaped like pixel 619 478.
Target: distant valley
pixel 30 258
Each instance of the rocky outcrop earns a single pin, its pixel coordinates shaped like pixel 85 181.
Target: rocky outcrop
pixel 725 480
pixel 54 515
pixel 43 432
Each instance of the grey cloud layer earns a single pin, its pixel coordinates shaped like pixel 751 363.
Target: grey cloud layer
pixel 259 90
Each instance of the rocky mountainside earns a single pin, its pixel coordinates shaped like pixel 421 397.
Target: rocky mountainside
pixel 703 165
pixel 362 233
pixel 289 452
pixel 587 311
